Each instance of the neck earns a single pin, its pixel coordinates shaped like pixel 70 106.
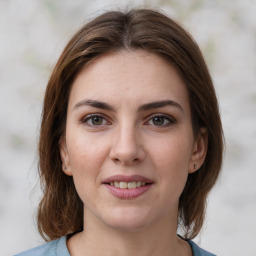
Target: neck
pixel 99 239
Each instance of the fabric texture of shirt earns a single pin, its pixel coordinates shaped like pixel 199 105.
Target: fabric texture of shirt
pixel 59 248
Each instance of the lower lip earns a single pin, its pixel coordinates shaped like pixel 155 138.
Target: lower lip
pixel 128 193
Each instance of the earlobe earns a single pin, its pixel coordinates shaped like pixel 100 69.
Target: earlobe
pixel 199 150
pixel 65 157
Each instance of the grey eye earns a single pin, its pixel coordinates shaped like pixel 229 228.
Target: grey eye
pixel 96 120
pixel 158 120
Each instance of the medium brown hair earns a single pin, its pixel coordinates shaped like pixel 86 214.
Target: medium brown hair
pixel 61 210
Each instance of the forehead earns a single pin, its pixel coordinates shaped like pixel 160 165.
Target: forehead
pixel 129 75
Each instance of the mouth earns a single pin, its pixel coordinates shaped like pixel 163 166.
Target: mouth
pixel 128 187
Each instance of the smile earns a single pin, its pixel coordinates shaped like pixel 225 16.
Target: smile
pixel 127 185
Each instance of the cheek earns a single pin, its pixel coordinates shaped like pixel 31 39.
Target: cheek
pixel 86 154
pixel 171 160
pixel 85 162
pixel 172 152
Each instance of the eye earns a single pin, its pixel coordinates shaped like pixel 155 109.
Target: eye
pixel 95 120
pixel 160 120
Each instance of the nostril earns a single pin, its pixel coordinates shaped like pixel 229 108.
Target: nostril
pixel 126 161
pixel 126 153
pixel 116 159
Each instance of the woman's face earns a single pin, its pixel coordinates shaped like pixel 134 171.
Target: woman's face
pixel 129 142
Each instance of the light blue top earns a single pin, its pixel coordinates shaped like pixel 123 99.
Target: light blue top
pixel 59 248
pixel 197 251
pixel 54 248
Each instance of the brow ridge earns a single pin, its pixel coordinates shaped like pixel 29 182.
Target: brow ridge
pixel 159 104
pixel 144 107
pixel 94 103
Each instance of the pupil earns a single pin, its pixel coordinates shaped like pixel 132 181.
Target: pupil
pixel 158 120
pixel 96 120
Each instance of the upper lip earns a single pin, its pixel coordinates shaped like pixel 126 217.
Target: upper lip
pixel 129 178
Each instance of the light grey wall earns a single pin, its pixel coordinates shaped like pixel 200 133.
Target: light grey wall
pixel 33 34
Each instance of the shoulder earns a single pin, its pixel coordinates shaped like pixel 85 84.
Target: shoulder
pixel 197 251
pixel 54 248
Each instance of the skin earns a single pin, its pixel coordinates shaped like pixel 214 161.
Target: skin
pixel 126 139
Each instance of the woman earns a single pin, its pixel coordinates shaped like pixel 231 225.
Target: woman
pixel 131 140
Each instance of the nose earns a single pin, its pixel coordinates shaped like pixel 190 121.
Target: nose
pixel 127 147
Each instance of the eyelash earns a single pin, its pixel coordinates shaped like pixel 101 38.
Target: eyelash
pixel 167 120
pixel 90 117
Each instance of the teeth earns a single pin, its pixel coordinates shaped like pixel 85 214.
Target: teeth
pixel 123 184
pixel 127 185
pixel 132 184
pixel 138 184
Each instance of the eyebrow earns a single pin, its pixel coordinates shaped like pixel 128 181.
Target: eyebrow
pixel 144 107
pixel 160 104
pixel 94 103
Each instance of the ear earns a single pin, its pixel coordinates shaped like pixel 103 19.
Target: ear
pixel 199 150
pixel 65 156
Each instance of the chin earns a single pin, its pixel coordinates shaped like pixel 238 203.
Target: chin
pixel 128 221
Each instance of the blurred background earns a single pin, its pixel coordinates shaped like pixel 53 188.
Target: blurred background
pixel 33 33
